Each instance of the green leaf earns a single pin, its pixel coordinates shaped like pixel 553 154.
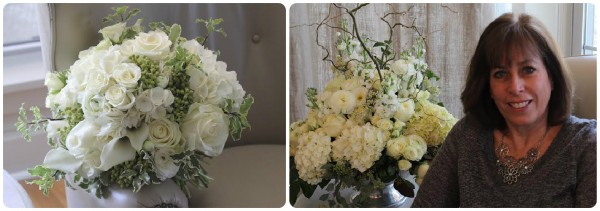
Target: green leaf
pixel 132 13
pixel 294 192
pixel 307 189
pixel 244 121
pixel 324 197
pixel 174 34
pixel 404 187
pixel 228 104
pixel 246 104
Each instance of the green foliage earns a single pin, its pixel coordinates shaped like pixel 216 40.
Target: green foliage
pixel 174 34
pixel 238 121
pixel 311 94
pixel 46 177
pixel 134 173
pixel 25 126
pixel 211 26
pixel 190 170
pixel 98 185
pixel 121 15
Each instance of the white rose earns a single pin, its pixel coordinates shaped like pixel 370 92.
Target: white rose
pixel 119 98
pixel 127 74
pixel 92 104
pixel 404 165
pixel 405 110
pixel 166 135
pixel 205 128
pixel 361 95
pixel 155 45
pixel 97 80
pixel 334 124
pixel 416 148
pixel 165 166
pixel 110 58
pixel 113 33
pixel 342 101
pixel 52 81
pixel 395 147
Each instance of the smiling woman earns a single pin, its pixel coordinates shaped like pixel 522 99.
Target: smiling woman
pixel 518 128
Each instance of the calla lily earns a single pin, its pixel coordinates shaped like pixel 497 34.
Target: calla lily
pixel 115 152
pixel 61 159
pixel 137 136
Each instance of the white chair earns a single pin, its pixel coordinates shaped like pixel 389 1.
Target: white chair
pixel 14 195
pixel 583 71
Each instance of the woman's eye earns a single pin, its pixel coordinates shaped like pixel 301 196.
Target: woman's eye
pixel 499 74
pixel 528 70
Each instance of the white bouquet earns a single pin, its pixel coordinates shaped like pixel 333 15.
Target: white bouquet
pixel 139 108
pixel 377 117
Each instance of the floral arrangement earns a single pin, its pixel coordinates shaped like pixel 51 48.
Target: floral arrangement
pixel 377 117
pixel 137 109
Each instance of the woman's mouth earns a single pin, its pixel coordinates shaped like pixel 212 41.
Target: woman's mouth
pixel 520 104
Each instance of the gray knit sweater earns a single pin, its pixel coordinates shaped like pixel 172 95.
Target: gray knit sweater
pixel 464 173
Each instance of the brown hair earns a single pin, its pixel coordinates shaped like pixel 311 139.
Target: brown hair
pixel 498 39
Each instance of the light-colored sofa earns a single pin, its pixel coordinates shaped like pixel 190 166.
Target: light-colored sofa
pixel 583 71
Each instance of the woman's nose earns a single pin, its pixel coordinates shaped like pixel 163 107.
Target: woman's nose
pixel 516 85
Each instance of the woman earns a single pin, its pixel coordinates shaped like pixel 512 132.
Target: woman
pixel 518 145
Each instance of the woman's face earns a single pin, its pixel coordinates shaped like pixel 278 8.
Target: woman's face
pixel 521 88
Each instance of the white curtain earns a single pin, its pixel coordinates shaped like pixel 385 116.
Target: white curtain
pixel 451 31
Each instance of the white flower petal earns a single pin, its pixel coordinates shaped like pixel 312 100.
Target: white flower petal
pixel 137 136
pixel 115 152
pixel 61 159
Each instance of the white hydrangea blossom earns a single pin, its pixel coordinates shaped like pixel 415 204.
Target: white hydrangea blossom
pixel 312 152
pixel 361 146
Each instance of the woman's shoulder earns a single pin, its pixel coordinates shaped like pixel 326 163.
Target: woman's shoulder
pixel 582 129
pixel 466 130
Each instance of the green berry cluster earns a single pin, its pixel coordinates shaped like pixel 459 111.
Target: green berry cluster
pixel 150 71
pixel 124 173
pixel 179 85
pixel 73 114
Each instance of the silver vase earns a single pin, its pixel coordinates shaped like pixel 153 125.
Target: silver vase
pixel 386 197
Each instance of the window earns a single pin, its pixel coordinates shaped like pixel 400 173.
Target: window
pixel 20 26
pixel 23 66
pixel 590 42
